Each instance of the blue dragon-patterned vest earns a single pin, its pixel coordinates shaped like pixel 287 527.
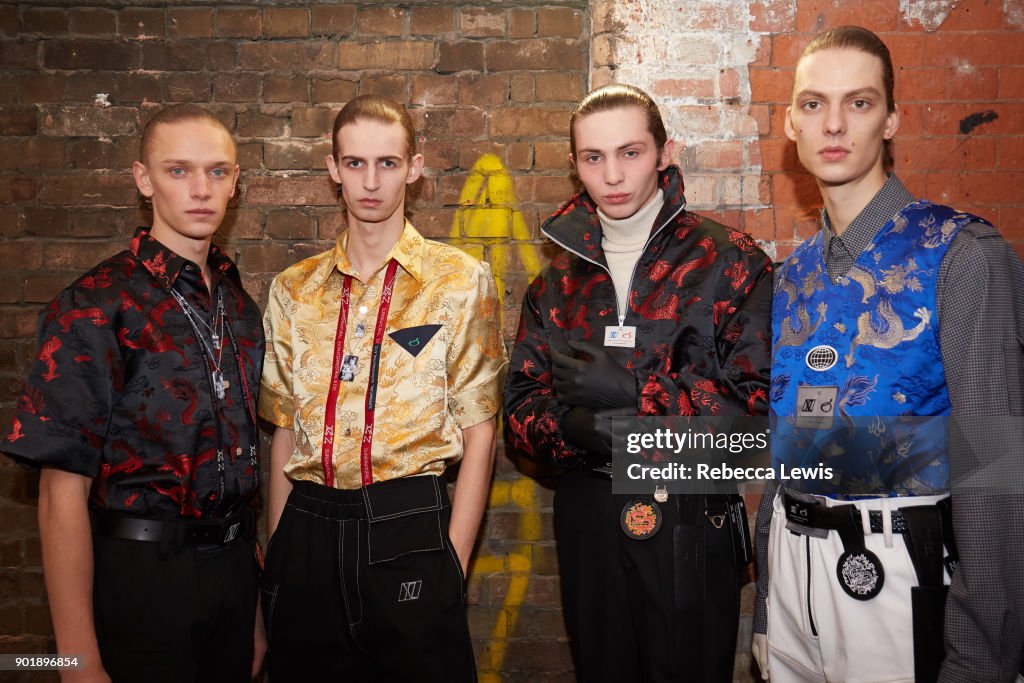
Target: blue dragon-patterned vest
pixel 884 432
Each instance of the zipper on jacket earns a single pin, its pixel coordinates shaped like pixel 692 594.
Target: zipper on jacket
pixel 810 617
pixel 654 233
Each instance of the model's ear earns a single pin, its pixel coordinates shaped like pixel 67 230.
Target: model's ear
pixel 787 124
pixel 892 124
pixel 234 181
pixel 415 169
pixel 143 182
pixel 668 154
pixel 332 169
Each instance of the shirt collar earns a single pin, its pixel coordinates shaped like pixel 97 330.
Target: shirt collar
pixel 886 203
pixel 408 251
pixel 165 265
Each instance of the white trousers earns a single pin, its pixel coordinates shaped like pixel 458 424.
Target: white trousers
pixel 816 632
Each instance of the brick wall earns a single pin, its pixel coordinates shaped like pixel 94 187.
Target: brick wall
pixel 490 86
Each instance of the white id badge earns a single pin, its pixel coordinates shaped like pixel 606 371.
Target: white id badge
pixel 620 335
pixel 815 406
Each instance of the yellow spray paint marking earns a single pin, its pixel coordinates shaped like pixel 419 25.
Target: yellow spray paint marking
pixel 489 210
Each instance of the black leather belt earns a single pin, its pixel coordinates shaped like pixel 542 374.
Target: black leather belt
pixel 818 516
pixel 170 530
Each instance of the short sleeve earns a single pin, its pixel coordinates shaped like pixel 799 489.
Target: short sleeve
pixel 277 404
pixel 63 416
pixel 476 357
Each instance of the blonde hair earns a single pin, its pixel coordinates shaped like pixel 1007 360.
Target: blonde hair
pixel 374 108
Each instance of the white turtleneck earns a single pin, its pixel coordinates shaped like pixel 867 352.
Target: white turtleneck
pixel 623 241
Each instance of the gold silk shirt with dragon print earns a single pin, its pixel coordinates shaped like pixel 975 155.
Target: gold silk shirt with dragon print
pixel 424 400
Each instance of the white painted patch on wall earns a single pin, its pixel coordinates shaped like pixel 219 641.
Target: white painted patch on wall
pixel 929 13
pixel 1013 10
pixel 101 99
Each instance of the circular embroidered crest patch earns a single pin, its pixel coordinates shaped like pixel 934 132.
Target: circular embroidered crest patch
pixel 860 574
pixel 821 358
pixel 640 519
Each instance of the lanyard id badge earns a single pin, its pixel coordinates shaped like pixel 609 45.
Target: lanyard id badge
pixel 620 335
pixel 815 406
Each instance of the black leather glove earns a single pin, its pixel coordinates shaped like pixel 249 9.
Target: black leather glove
pixel 591 430
pixel 598 383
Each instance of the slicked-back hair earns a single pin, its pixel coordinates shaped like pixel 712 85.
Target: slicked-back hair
pixel 374 108
pixel 178 113
pixel 614 96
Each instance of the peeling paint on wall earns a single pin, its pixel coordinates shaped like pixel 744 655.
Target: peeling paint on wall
pixel 929 13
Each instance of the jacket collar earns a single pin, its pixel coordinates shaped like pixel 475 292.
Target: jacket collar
pixel 408 251
pixel 165 265
pixel 576 226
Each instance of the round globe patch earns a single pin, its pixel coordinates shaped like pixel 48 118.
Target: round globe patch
pixel 821 358
pixel 860 574
pixel 640 519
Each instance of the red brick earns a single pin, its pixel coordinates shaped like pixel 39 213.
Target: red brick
pixel 396 54
pixel 480 90
pixel 771 85
pixel 252 124
pixel 1011 153
pixel 794 190
pixel 193 22
pixel 90 189
pixel 729 83
pixel 45 20
pixel 480 22
pixel 93 21
pixel 983 49
pixel 141 23
pixel 460 56
pixel 973 84
pixel 522 23
pixel 188 87
pixel 382 21
pixel 113 153
pixel 250 155
pixel 392 87
pixel 720 155
pixel 20 54
pixel 216 56
pixel 241 224
pixel 946 153
pixel 274 56
pixel 538 53
pixel 8 20
pixel 332 20
pixel 291 88
pixel 432 90
pixel 239 22
pixel 333 90
pixel 109 55
pixel 441 155
pixel 433 123
pixel 772 16
pixel 312 122
pixel 9 90
pixel 137 87
pixel 1011 83
pixel 84 86
pixel 974 16
pixel 286 22
pixel 702 88
pixel 813 16
pixel 40 87
pixel 559 86
pixel 263 258
pixel 519 155
pixel 564 22
pixel 287 154
pixel 523 88
pixel 95 121
pixel 431 21
pixel 294 191
pixel 469 123
pixel 551 156
pixel 236 87
pixel 290 225
pixel 19 120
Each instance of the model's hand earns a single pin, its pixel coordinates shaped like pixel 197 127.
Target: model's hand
pixel 591 430
pixel 259 642
pixel 598 383
pixel 759 648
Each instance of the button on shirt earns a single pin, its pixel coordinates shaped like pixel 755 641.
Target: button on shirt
pixel 441 366
pixel 121 392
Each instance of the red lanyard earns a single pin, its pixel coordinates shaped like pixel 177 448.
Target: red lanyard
pixel 327 450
